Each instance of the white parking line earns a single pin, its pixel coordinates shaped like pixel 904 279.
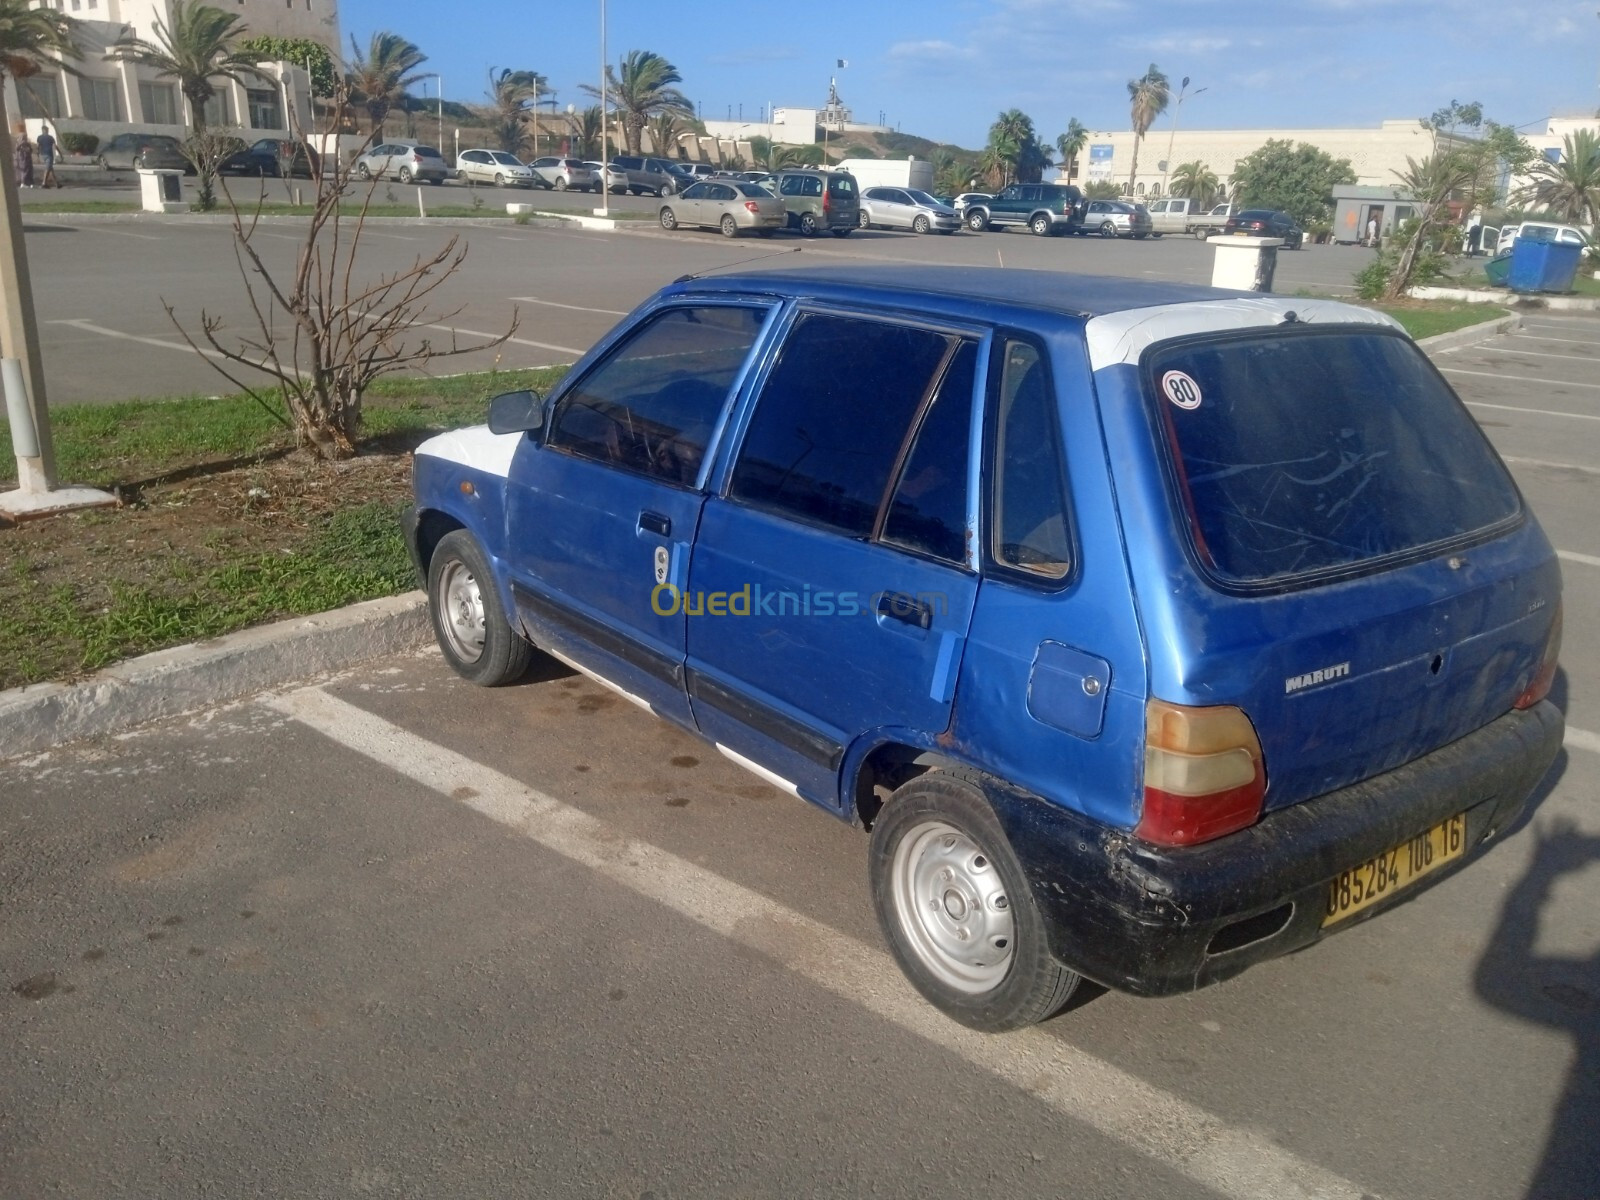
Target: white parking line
pixel 610 312
pixel 1175 1133
pixel 1587 358
pixel 1588 560
pixel 143 237
pixel 1530 337
pixel 514 340
pixel 1542 412
pixel 91 327
pixel 1581 739
pixel 1554 466
pixel 1518 378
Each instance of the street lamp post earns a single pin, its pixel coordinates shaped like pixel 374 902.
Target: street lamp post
pixel 605 193
pixel 1177 110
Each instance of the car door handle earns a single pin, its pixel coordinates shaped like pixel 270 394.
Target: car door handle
pixel 653 522
pixel 897 606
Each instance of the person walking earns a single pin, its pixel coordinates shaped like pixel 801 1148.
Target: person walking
pixel 22 160
pixel 1474 237
pixel 1372 231
pixel 46 145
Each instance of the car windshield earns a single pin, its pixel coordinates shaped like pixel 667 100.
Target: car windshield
pixel 924 198
pixel 504 159
pixel 1315 452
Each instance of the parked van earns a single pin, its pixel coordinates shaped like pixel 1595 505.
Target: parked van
pixel 820 200
pixel 1183 214
pixel 1153 630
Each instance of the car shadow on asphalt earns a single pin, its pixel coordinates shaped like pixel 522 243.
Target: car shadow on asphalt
pixel 1555 991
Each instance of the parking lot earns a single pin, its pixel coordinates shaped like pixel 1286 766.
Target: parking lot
pixel 393 935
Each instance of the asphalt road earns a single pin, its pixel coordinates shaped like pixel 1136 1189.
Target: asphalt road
pixel 101 287
pixel 396 936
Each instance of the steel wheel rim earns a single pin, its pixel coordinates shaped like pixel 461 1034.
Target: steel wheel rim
pixel 461 617
pixel 951 904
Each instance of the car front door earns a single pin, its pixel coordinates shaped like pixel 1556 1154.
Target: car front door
pixel 898 208
pixel 830 588
pixel 691 205
pixel 603 511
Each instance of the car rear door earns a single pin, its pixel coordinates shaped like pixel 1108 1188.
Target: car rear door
pixel 830 590
pixel 602 513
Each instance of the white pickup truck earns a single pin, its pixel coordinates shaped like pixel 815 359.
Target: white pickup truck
pixel 1180 214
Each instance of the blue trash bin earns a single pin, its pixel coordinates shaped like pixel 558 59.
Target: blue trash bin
pixel 1538 265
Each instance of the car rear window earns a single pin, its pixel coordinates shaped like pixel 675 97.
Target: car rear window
pixel 427 152
pixel 1304 453
pixel 841 185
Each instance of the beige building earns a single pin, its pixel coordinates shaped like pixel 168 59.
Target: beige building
pixel 107 98
pixel 1374 154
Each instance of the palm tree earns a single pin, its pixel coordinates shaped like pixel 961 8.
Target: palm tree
pixel 1070 144
pixel 642 89
pixel 379 78
pixel 1196 180
pixel 1569 189
pixel 664 131
pixel 198 47
pixel 585 128
pixel 1148 96
pixel 511 93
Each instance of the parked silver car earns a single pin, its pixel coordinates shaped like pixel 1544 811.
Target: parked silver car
pixel 563 174
pixel 616 179
pixel 493 166
pixel 730 205
pixel 1117 218
pixel 404 161
pixel 906 208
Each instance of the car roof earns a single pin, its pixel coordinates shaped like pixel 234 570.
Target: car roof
pixel 933 287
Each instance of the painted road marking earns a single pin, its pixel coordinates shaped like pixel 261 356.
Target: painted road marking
pixel 91 327
pixel 458 330
pixel 1588 560
pixel 1554 466
pixel 1172 1131
pixel 1587 358
pixel 610 312
pixel 1582 739
pixel 144 237
pixel 1533 337
pixel 1518 378
pixel 1541 412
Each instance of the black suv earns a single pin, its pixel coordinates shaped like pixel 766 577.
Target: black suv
pixel 1045 208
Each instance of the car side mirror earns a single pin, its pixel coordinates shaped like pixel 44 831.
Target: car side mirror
pixel 516 412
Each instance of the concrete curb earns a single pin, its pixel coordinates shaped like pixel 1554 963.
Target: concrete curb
pixel 184 679
pixel 1472 334
pixel 1508 298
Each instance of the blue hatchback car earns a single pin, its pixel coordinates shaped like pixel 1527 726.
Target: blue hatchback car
pixel 1152 630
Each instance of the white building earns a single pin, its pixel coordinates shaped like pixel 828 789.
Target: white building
pixel 106 98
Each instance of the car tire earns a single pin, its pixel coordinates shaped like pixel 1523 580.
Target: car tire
pixel 666 189
pixel 842 232
pixel 729 227
pixel 977 221
pixel 403 174
pixel 1108 230
pixel 468 621
pixel 956 908
pixel 1155 235
pixel 439 182
pixel 863 221
pixel 499 180
pixel 920 225
pixel 808 224
pixel 561 183
pixel 363 171
pixel 1139 237
pixel 461 176
pixel 669 219
pixel 1201 235
pixel 1040 225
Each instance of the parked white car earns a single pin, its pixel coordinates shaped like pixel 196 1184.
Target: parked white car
pixel 616 179
pixel 1544 231
pixel 493 166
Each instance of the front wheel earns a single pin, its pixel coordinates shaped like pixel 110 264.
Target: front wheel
pixel 730 227
pixel 977 222
pixel 1108 230
pixel 468 621
pixel 669 219
pixel 957 909
pixel 921 225
pixel 499 179
pixel 1040 225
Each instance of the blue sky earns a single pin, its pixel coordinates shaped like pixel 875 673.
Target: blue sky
pixel 944 68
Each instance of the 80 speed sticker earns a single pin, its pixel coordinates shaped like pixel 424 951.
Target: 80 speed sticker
pixel 1180 389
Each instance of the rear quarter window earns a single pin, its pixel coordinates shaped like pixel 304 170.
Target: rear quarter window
pixel 1300 454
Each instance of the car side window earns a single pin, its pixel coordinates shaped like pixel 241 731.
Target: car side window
pixel 695 191
pixel 1028 529
pixel 928 511
pixel 650 405
pixel 832 419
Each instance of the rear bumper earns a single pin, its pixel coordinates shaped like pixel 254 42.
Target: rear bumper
pixel 1156 921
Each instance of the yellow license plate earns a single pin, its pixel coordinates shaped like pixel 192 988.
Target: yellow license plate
pixel 1381 877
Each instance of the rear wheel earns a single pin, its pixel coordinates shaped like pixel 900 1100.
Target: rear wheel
pixel 955 905
pixel 976 221
pixel 920 225
pixel 403 174
pixel 808 224
pixel 561 183
pixel 730 227
pixel 841 232
pixel 669 219
pixel 863 221
pixel 1040 225
pixel 468 621
pixel 364 171
pixel 1139 237
pixel 1201 235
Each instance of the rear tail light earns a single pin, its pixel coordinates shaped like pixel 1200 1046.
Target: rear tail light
pixel 1204 775
pixel 752 206
pixel 1539 686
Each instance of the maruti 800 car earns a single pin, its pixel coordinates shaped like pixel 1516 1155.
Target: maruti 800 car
pixel 1152 630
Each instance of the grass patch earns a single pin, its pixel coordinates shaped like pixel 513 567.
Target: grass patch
pixel 1425 318
pixel 79 206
